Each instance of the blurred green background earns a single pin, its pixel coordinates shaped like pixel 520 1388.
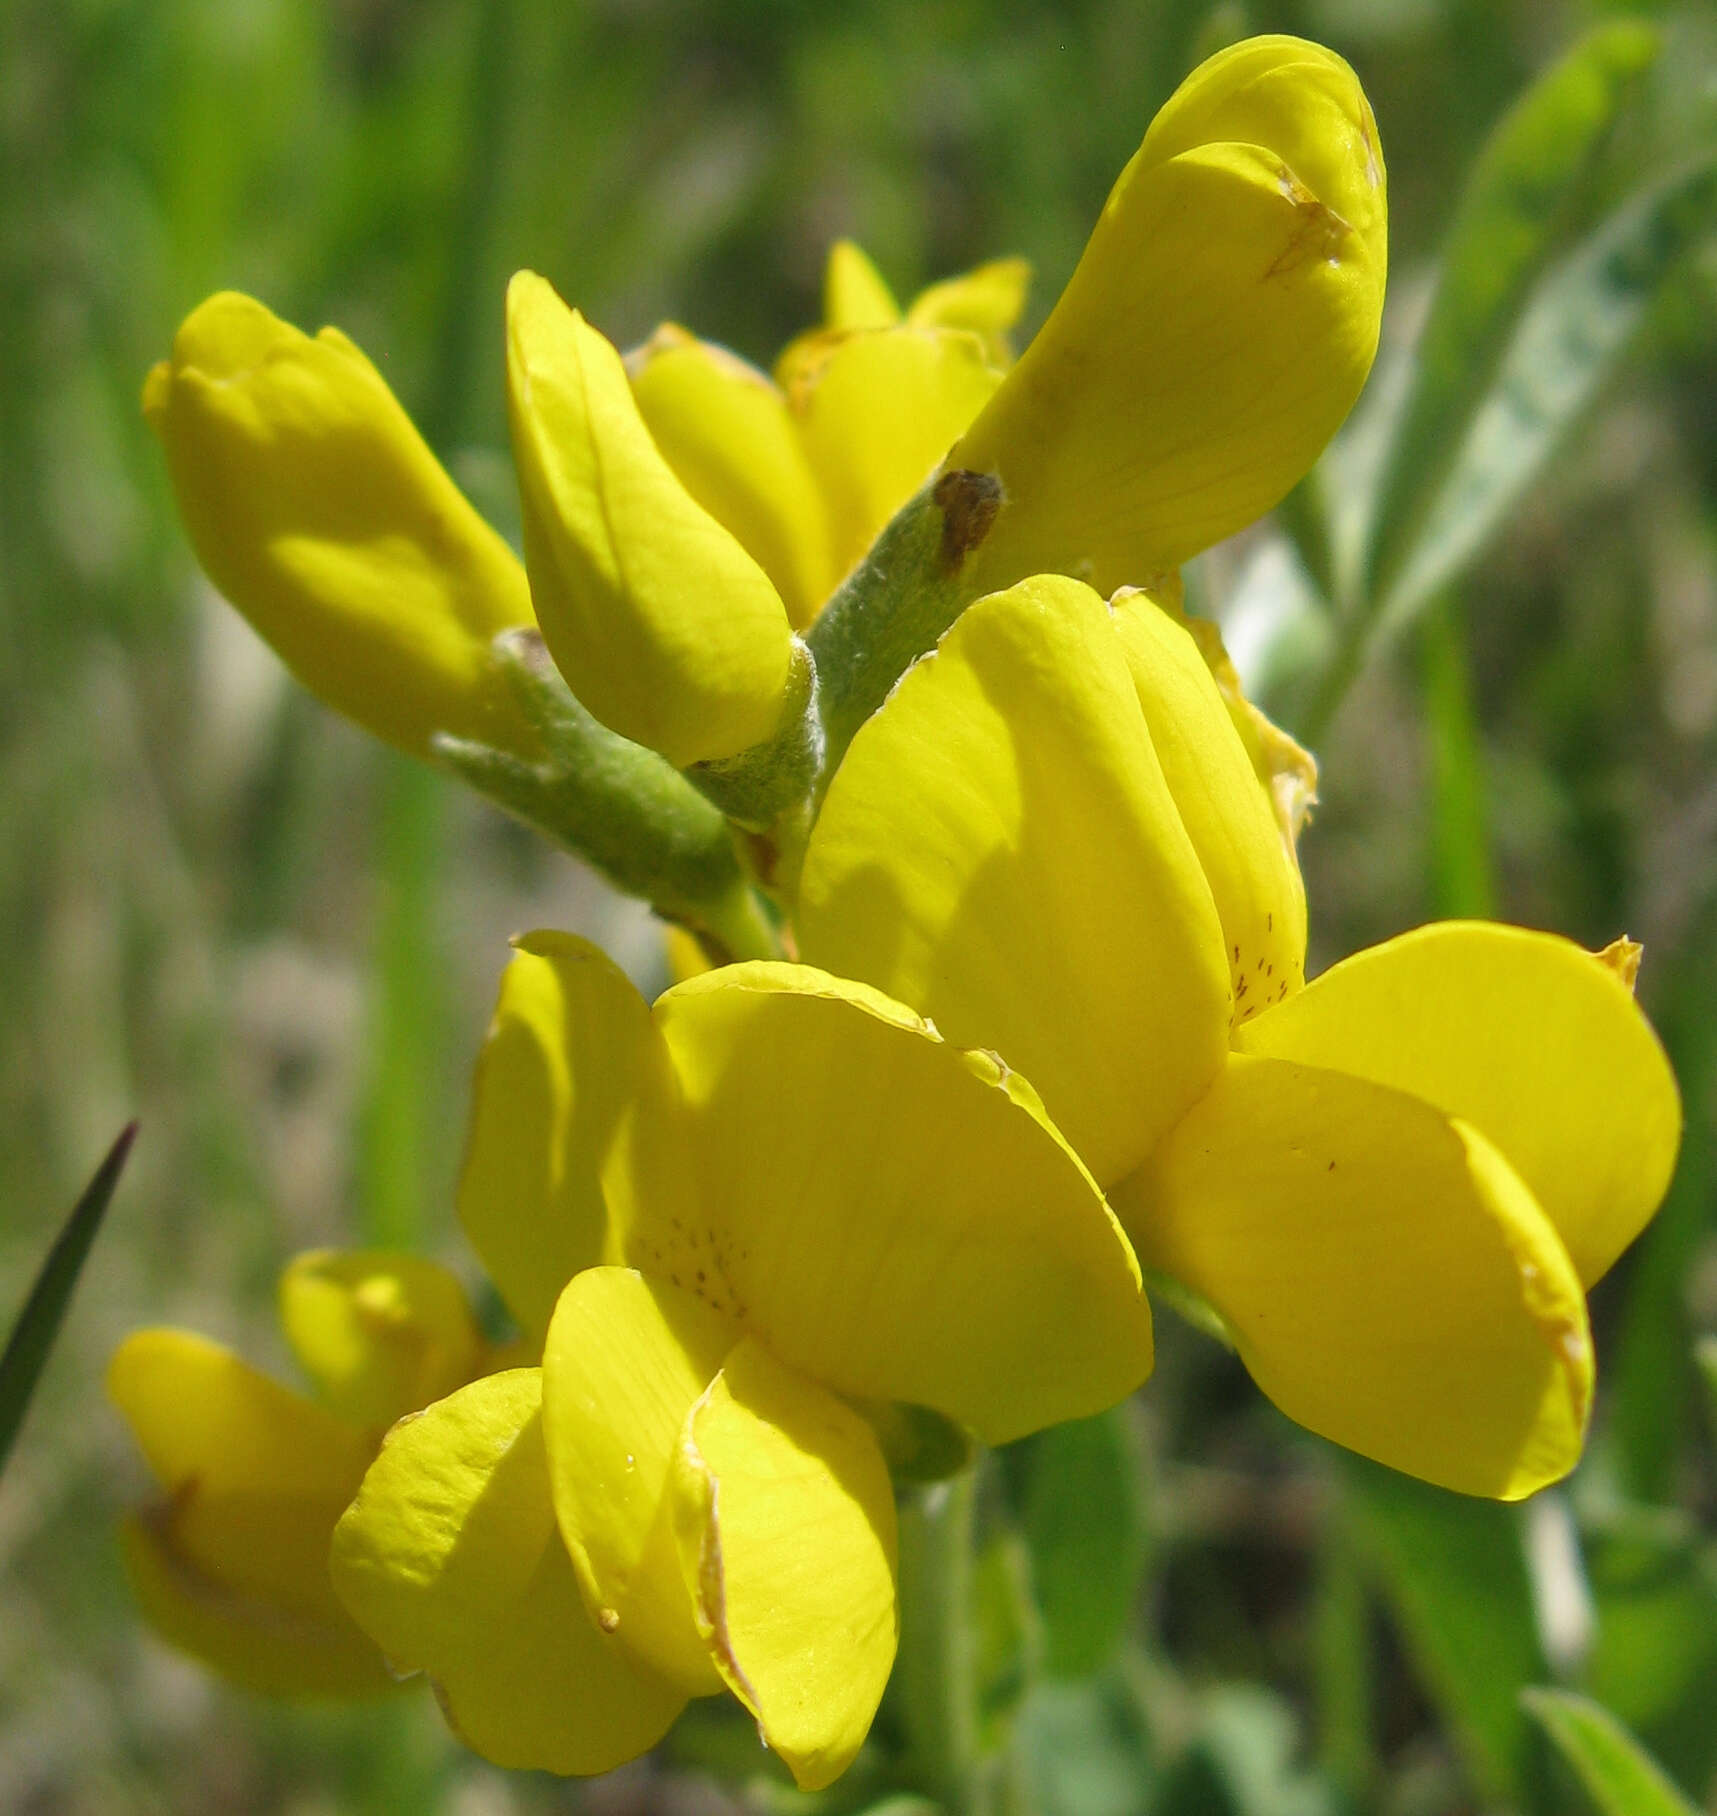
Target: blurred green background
pixel 231 915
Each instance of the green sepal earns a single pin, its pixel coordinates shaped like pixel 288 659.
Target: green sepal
pixel 623 809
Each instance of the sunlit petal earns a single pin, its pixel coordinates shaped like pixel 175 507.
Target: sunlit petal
pixel 451 1560
pixel 570 1054
pixel 727 433
pixel 627 1356
pixel 661 622
pixel 785 1515
pixel 1000 849
pixel 877 410
pixel 1524 1035
pixel 318 510
pixel 891 1215
pixel 1227 811
pixel 1389 1280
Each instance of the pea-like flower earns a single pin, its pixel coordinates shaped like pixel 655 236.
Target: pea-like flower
pixel 738 1223
pixel 231 1564
pixel 1394 1183
pixel 321 514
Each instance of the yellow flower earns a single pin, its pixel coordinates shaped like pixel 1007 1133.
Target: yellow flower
pixel 1217 330
pixel 316 508
pixel 232 1563
pixel 1393 1183
pixel 731 1220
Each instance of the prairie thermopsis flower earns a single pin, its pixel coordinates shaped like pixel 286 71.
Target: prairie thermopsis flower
pixel 232 1563
pixel 733 1221
pixel 1394 1183
pixel 316 508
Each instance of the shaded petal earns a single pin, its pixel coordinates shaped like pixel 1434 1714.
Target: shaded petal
pixel 251 1641
pixel 570 1054
pixel 1216 332
pixel 627 1356
pixel 1388 1279
pixel 253 1475
pixel 891 1215
pixel 986 300
pixel 726 431
pixel 785 1515
pixel 1000 849
pixel 1528 1037
pixel 855 293
pixel 380 1334
pixel 877 410
pixel 1226 809
pixel 319 511
pixel 450 1559
pixel 663 625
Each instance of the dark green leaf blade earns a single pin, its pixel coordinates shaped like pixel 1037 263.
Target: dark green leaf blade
pixel 1620 1776
pixel 1083 1514
pixel 1511 216
pixel 39 1322
pixel 1453 1572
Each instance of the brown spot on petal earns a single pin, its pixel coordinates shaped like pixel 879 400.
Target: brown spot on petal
pixel 1317 233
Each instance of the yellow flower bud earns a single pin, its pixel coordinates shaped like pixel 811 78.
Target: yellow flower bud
pixel 663 625
pixel 320 513
pixel 1216 332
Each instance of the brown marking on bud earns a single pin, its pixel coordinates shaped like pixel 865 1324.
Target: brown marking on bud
pixel 968 502
pixel 1318 231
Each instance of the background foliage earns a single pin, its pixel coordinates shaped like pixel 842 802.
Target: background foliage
pixel 232 916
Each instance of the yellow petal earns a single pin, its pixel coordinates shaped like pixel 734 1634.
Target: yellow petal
pixel 450 1559
pixel 987 300
pixel 877 410
pixel 626 1358
pixel 316 508
pixel 893 1216
pixel 1388 1279
pixel 253 1475
pixel 1288 771
pixel 1228 813
pixel 1000 849
pixel 663 625
pixel 855 293
pixel 1525 1035
pixel 252 1642
pixel 785 1515
pixel 1216 332
pixel 380 1334
pixel 570 1051
pixel 726 431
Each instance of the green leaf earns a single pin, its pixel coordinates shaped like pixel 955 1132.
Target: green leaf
pixel 1511 216
pixel 1083 1750
pixel 1575 326
pixel 39 1322
pixel 1462 885
pixel 1619 1775
pixel 1453 1572
pixel 1082 1510
pixel 1654 1661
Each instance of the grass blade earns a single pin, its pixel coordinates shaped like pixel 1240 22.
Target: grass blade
pixel 44 1310
pixel 1512 215
pixel 1621 1778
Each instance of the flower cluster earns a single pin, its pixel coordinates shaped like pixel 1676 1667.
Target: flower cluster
pixel 1016 1001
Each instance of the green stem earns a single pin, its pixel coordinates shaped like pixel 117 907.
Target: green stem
pixel 936 1669
pixel 1461 871
pixel 623 809
pixel 406 1011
